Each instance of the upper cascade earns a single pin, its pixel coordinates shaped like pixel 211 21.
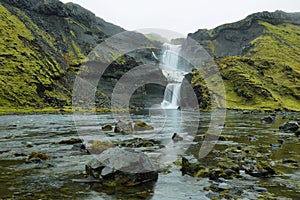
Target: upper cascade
pixel 170 56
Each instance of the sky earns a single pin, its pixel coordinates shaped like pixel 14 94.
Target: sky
pixel 182 17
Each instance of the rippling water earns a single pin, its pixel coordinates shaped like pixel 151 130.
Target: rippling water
pixel 31 181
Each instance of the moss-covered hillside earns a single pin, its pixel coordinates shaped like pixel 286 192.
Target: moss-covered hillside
pixel 42 44
pixel 259 60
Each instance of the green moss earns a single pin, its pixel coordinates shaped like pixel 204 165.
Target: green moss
pixel 27 70
pixel 99 146
pixel 38 155
pixel 258 83
pixel 266 76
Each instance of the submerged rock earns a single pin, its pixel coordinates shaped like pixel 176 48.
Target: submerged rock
pixel 17 154
pixel 260 189
pixel 176 137
pixel 297 133
pixel 142 126
pixel 38 155
pixel 268 119
pixel 98 147
pixel 79 147
pixel 259 170
pixel 190 165
pixel 123 126
pixel 251 138
pixel 139 142
pixel 117 129
pixel 107 127
pixel 117 167
pixel 71 141
pixel 289 127
pixel 39 158
pixel 28 145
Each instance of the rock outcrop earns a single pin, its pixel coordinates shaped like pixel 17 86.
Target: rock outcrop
pixel 44 43
pixel 258 59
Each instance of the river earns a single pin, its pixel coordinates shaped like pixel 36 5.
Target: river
pixel 22 134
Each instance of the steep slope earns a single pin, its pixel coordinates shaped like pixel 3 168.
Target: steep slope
pixel 42 45
pixel 259 60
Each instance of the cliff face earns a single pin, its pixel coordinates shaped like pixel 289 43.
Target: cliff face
pixel 42 45
pixel 235 38
pixel 259 60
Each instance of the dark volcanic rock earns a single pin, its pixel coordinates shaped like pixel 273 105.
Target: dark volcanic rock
pixel 55 41
pixel 234 38
pixel 289 127
pixel 107 127
pixel 142 126
pixel 268 119
pixel 71 141
pixel 190 165
pixel 124 126
pixel 116 167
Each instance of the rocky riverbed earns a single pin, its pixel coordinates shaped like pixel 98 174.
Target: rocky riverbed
pixel 44 157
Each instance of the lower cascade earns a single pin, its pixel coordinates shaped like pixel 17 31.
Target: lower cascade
pixel 172 96
pixel 170 70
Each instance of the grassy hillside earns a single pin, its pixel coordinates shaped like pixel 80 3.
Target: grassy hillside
pixel 42 45
pixel 29 75
pixel 264 73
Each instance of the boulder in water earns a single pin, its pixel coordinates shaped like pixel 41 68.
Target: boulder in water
pixel 297 133
pixel 190 165
pixel 142 126
pixel 139 142
pixel 176 137
pixel 79 147
pixel 268 119
pixel 98 147
pixel 289 127
pixel 37 155
pixel 71 141
pixel 117 167
pixel 107 127
pixel 124 126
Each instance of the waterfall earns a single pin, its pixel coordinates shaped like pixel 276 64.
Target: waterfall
pixel 171 96
pixel 169 67
pixel 170 55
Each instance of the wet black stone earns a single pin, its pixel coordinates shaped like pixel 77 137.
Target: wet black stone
pixel 289 127
pixel 71 141
pixel 281 141
pixel 251 138
pixel 260 189
pixel 78 147
pixel 224 186
pixel 20 154
pixel 133 169
pixel 285 161
pixel 268 119
pixel 297 133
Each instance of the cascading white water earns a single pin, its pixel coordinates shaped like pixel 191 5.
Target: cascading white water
pixel 171 96
pixel 170 55
pixel 170 70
